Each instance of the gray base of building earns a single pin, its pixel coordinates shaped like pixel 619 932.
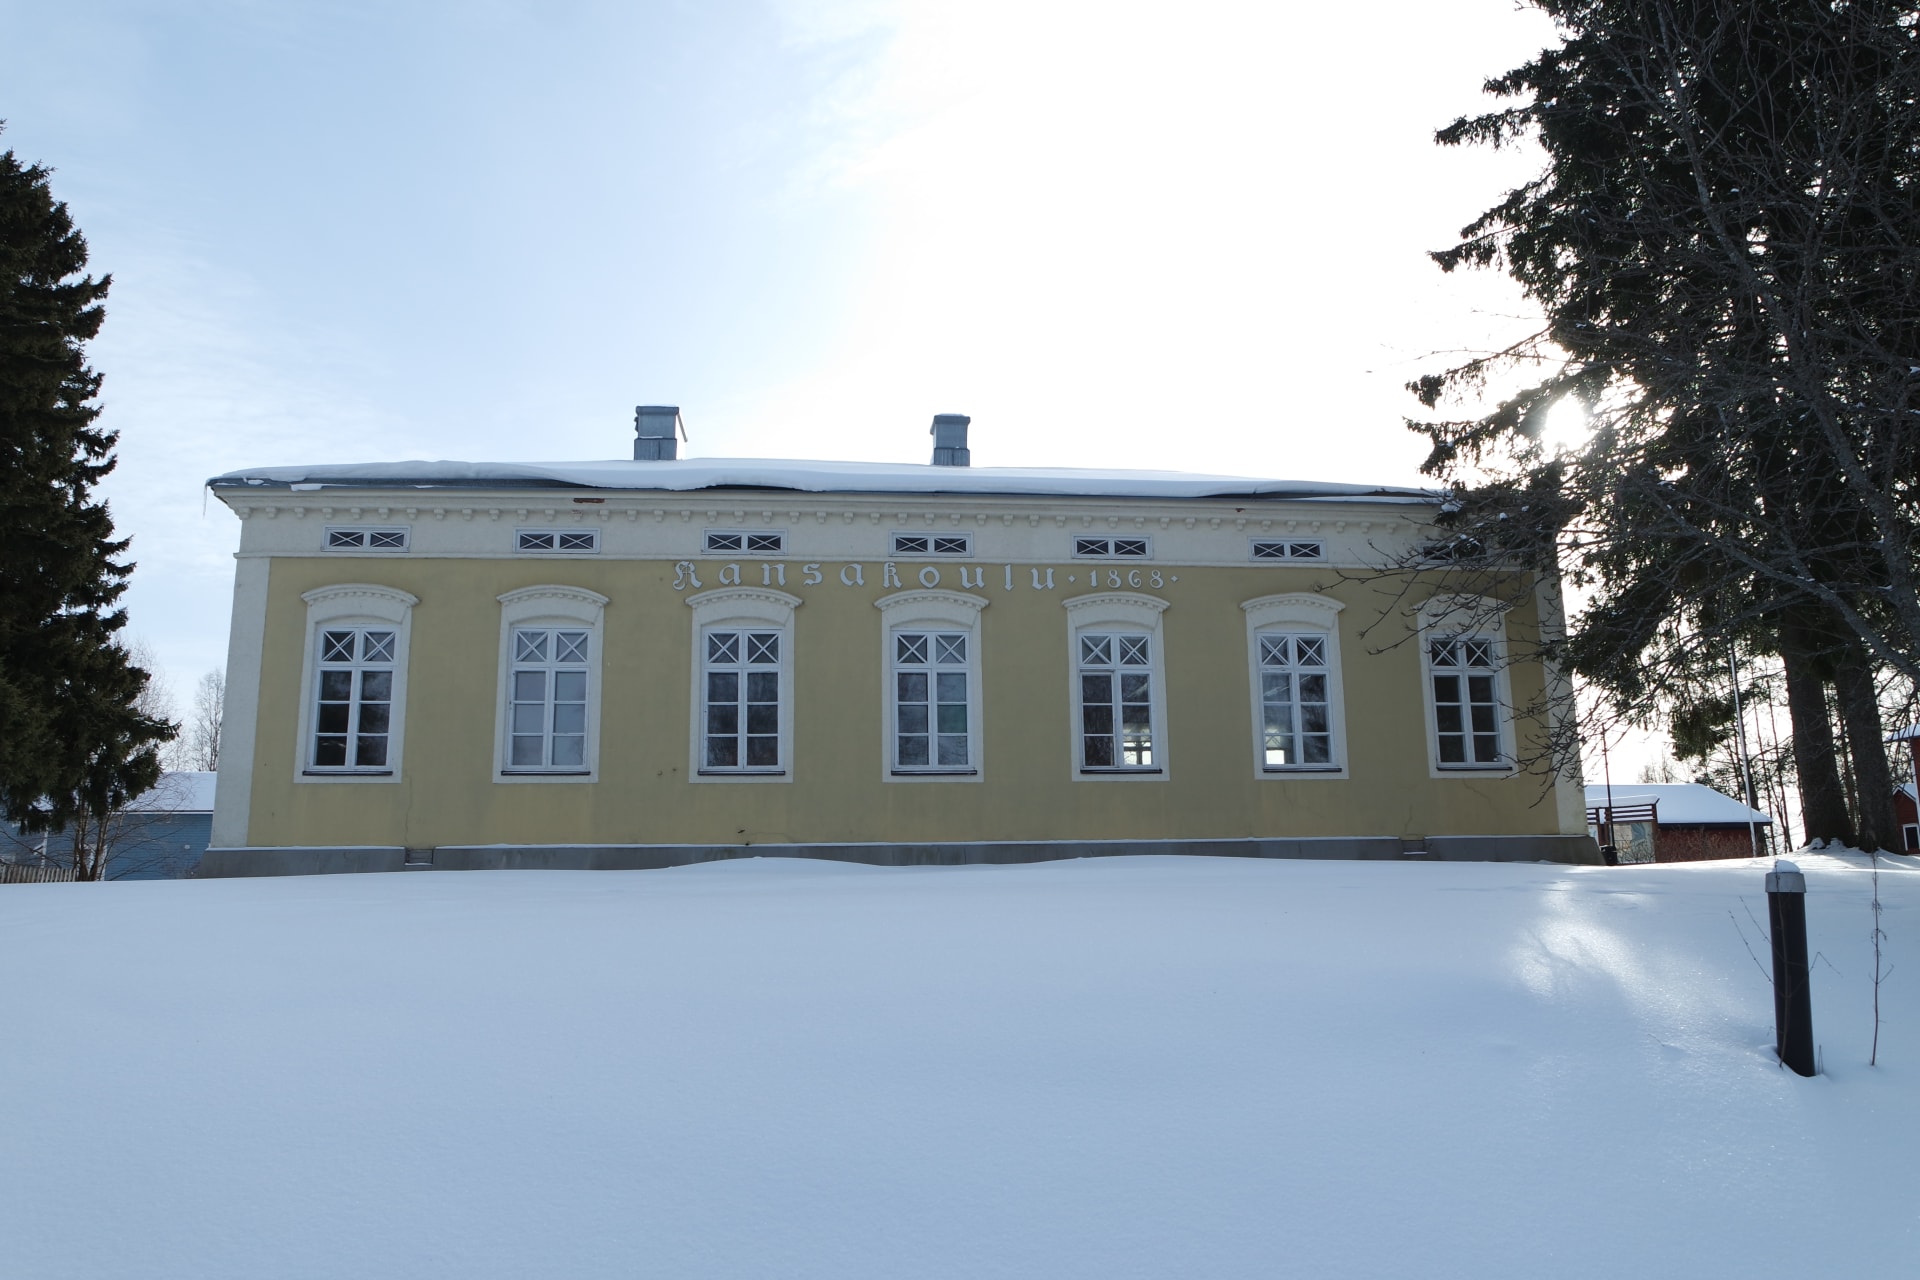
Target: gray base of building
pixel 322 860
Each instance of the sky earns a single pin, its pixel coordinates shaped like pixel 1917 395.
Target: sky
pixel 1116 234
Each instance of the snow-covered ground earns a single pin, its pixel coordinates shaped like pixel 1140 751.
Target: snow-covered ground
pixel 1142 1067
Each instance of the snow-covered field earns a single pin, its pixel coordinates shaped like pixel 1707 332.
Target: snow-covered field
pixel 1144 1067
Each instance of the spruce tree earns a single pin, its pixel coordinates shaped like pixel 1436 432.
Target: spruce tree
pixel 73 747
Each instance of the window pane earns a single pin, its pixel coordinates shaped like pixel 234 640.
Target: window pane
pixel 913 719
pixel 1098 751
pixel 723 717
pixel 1133 688
pixel 336 646
pixel 723 686
pixel 1312 650
pixel 374 717
pixel 1276 688
pixel 1134 719
pixel 723 646
pixel 1446 688
pixel 762 718
pixel 952 648
pixel 1129 547
pixel 1483 719
pixel 763 646
pixel 529 686
pixel 1313 718
pixel 570 646
pixel 370 751
pixel 569 717
pixel 1447 719
pixel 1096 718
pixel 336 686
pixel 950 546
pixel 1486 748
pixel 953 719
pixel 911 686
pixel 763 686
pixel 569 751
pixel 525 752
pixel 569 686
pixel 723 753
pixel 1452 749
pixel 530 646
pixel 1480 688
pixel 910 648
pixel 1095 651
pixel 1313 688
pixel 953 749
pixel 1319 749
pixel 375 686
pixel 529 717
pixel 1440 653
pixel 913 750
pixel 377 646
pixel 1133 651
pixel 1273 651
pixel 1089 546
pixel 763 753
pixel 333 717
pixel 329 751
pixel 951 686
pixel 1096 687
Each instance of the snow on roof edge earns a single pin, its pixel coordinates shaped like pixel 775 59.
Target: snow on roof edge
pixel 1681 803
pixel 691 474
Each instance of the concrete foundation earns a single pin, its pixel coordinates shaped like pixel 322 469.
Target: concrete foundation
pixel 326 861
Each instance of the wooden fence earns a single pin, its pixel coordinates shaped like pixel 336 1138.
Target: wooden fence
pixel 14 873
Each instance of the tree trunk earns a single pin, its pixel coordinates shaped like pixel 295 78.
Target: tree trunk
pixel 1823 804
pixel 1866 742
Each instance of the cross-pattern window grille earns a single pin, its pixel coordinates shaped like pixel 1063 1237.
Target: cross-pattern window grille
pixel 1116 702
pixel 1466 704
pixel 547 724
pixel 365 539
pixel 586 540
pixel 353 709
pixel 1102 548
pixel 931 725
pixel 765 542
pixel 741 701
pixel 1288 549
pixel 1296 720
pixel 932 544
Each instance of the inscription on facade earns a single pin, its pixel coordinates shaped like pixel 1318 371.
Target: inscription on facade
pixel 686 576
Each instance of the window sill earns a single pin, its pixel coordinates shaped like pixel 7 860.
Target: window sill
pixel 1301 768
pixel 1474 768
pixel 1109 771
pixel 546 773
pixel 935 773
pixel 740 773
pixel 346 773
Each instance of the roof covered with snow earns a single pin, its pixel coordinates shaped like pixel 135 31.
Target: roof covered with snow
pixel 178 792
pixel 689 474
pixel 1903 735
pixel 1681 803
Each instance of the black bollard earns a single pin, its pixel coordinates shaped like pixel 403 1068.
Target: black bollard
pixel 1792 1003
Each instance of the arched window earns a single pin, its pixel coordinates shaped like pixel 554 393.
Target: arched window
pixel 932 694
pixel 1119 686
pixel 548 728
pixel 354 677
pixel 1299 720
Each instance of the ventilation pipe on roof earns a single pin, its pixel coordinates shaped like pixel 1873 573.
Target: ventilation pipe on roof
pixel 657 432
pixel 949 433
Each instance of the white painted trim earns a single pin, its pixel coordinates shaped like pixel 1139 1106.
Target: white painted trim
pixel 1128 611
pixel 954 611
pixel 549 604
pixel 727 607
pixel 1463 615
pixel 1296 611
pixel 356 604
pixel 246 651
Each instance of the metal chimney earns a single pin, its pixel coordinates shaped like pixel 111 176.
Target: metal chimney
pixel 657 432
pixel 949 433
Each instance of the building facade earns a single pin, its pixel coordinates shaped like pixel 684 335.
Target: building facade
pixel 661 661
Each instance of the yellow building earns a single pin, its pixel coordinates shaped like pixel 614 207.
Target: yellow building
pixel 633 664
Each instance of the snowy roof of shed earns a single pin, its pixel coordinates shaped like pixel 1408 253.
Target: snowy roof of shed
pixel 688 474
pixel 177 792
pixel 1683 804
pixel 1902 735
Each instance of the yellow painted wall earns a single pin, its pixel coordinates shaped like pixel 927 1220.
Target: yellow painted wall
pixel 447 794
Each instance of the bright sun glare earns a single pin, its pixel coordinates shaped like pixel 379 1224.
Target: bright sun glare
pixel 1566 428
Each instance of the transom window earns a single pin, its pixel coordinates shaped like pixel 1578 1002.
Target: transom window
pixel 557 540
pixel 367 539
pixel 932 728
pixel 740 711
pixel 547 700
pixel 1110 547
pixel 1116 701
pixel 353 707
pixel 766 542
pixel 1288 549
pixel 932 544
pixel 1296 723
pixel 1466 704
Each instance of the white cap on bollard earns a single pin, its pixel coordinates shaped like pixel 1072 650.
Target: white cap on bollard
pixel 1785 878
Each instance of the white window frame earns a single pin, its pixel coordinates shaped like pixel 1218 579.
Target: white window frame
pixel 1122 611
pixel 1910 838
pixel 365 533
pixel 555 606
pixel 1463 617
pixel 1295 613
pixel 1110 540
pixel 931 611
pixel 1287 555
pixel 591 535
pixel 933 550
pixel 354 605
pixel 708 549
pixel 743 609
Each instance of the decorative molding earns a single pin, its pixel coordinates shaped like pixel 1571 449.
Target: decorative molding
pixel 358 599
pixel 1292 606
